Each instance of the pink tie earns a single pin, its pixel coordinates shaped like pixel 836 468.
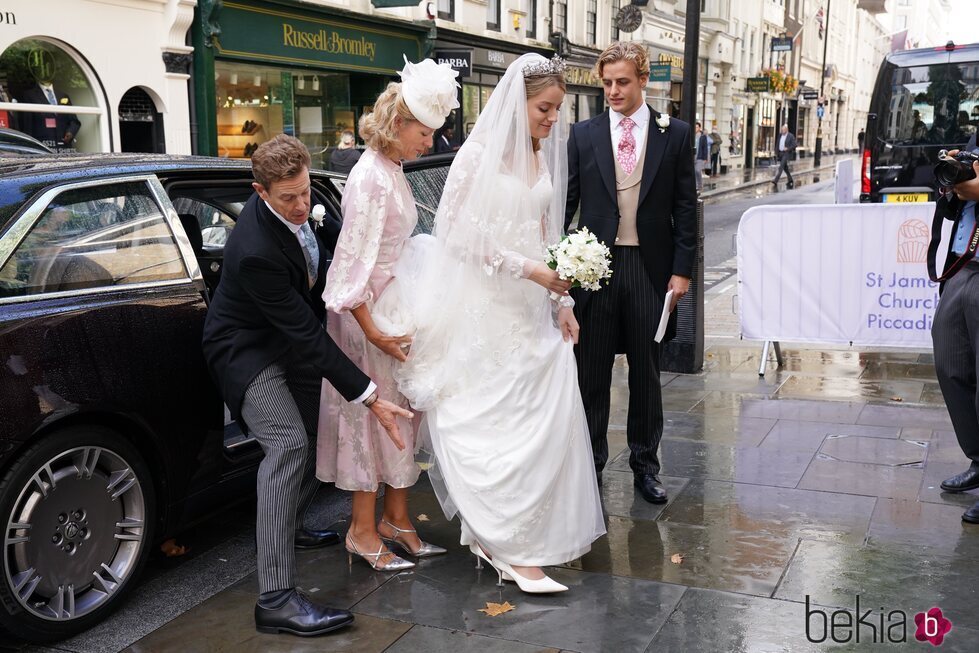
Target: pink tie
pixel 627 146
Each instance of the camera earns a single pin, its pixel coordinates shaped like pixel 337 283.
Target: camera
pixel 951 170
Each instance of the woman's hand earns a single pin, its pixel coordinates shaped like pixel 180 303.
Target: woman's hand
pixel 548 278
pixel 386 412
pixel 568 324
pixel 394 346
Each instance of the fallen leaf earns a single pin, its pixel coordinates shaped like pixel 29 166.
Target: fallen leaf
pixel 423 517
pixel 494 609
pixel 676 558
pixel 896 399
pixel 171 549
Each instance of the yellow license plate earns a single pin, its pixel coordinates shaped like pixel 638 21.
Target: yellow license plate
pixel 906 197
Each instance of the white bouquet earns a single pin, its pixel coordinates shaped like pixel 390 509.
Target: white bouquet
pixel 580 259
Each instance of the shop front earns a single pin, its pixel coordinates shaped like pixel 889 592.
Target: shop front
pixel 664 92
pixel 481 64
pixel 585 98
pixel 271 68
pixel 64 84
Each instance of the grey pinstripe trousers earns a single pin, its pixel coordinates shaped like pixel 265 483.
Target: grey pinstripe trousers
pixel 623 317
pixel 955 335
pixel 281 409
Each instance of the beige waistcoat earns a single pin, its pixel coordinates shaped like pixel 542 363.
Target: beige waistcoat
pixel 627 196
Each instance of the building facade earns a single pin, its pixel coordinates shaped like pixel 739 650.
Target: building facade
pixel 82 75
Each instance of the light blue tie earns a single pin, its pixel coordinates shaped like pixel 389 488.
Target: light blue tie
pixel 311 253
pixel 49 93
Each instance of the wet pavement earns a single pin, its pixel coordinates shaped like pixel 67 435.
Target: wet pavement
pixel 818 480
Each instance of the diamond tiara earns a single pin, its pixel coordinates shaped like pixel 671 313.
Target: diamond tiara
pixel 553 66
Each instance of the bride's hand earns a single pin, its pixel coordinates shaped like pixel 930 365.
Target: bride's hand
pixel 568 324
pixel 394 346
pixel 548 278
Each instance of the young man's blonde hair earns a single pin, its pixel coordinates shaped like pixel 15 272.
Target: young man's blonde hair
pixel 279 158
pixel 633 51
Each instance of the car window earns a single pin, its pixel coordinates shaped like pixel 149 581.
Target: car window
pixel 426 185
pixel 936 105
pixel 94 237
pixel 214 223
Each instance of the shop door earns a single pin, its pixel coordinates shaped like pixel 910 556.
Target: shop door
pixel 140 124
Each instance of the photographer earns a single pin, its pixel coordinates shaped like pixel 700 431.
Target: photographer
pixel 956 335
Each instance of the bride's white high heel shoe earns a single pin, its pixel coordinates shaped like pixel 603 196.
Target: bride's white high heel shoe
pixel 545 585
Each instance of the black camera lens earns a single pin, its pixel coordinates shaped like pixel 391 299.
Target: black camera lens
pixel 952 170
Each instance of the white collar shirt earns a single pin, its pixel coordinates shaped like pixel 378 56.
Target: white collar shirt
pixel 781 142
pixel 295 228
pixel 640 117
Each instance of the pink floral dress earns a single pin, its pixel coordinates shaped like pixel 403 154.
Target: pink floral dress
pixel 353 450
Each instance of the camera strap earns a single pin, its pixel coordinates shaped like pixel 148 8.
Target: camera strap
pixel 936 239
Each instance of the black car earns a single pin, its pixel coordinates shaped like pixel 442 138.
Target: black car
pixel 924 101
pixel 16 142
pixel 113 437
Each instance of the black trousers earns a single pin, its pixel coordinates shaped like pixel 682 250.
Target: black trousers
pixel 955 334
pixel 622 317
pixel 783 164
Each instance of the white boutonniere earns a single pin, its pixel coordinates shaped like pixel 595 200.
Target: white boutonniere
pixel 319 211
pixel 663 122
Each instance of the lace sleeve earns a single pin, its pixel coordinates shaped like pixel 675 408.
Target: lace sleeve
pixel 366 200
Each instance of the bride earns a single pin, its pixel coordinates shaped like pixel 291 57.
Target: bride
pixel 491 362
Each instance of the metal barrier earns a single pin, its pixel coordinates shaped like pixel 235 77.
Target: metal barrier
pixel 685 353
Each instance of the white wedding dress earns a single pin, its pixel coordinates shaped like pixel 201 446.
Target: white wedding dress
pixel 498 384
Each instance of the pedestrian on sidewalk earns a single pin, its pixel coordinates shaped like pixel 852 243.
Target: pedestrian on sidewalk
pixel 702 156
pixel 715 149
pixel 786 146
pixel 955 334
pixel 266 348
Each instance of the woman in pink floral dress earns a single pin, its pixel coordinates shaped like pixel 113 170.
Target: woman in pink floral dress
pixel 379 216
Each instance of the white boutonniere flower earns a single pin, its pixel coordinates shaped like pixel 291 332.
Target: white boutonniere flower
pixel 319 211
pixel 663 122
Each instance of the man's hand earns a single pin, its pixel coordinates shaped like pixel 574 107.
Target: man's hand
pixel 967 190
pixel 679 285
pixel 386 412
pixel 394 346
pixel 568 324
pixel 548 278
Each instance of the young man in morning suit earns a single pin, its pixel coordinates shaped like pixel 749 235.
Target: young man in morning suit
pixel 632 171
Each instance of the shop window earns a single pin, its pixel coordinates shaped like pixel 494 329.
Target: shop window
pixel 255 103
pixel 46 93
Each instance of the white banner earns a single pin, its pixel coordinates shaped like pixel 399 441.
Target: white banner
pixel 853 274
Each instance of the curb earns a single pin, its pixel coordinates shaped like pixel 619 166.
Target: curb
pixel 760 182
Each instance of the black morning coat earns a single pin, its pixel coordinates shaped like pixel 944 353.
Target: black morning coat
pixel 264 310
pixel 666 219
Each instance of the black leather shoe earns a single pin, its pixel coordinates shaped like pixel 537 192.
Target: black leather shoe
pixel 297 615
pixel 650 489
pixel 967 480
pixel 315 539
pixel 972 514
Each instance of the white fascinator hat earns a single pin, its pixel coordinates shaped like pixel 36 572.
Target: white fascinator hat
pixel 429 90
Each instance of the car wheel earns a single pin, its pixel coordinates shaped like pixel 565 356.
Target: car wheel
pixel 77 509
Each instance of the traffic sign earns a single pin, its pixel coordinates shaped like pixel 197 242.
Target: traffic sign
pixel 820 111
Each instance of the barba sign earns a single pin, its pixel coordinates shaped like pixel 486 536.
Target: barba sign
pixel 327 41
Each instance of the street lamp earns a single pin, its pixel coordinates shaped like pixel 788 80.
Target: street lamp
pixel 822 86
